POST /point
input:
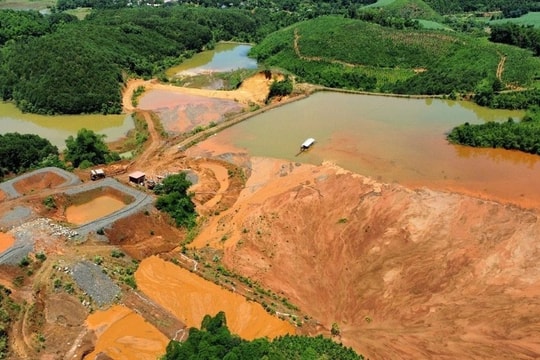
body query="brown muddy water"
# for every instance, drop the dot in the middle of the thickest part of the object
(124, 334)
(57, 128)
(93, 209)
(392, 140)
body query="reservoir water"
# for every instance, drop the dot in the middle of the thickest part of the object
(57, 128)
(393, 140)
(225, 57)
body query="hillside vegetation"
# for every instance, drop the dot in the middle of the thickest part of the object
(215, 341)
(60, 65)
(413, 9)
(354, 54)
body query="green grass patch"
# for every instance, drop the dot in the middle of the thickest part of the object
(532, 18)
(27, 4)
(433, 25)
(80, 13)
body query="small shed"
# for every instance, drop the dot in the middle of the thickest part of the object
(137, 177)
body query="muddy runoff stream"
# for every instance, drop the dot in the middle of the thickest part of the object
(190, 297)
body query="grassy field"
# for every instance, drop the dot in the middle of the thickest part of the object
(532, 18)
(26, 4)
(80, 13)
(433, 25)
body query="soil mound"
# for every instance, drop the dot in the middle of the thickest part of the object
(404, 273)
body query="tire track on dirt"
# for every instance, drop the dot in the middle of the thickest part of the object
(500, 67)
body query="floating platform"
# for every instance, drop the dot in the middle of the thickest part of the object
(307, 144)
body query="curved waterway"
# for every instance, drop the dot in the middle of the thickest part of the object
(392, 140)
(58, 127)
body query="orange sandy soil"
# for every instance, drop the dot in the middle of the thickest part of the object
(124, 334)
(252, 91)
(2, 195)
(38, 182)
(405, 274)
(6, 241)
(190, 298)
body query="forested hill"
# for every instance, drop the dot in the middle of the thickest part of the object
(354, 54)
(58, 64)
(510, 8)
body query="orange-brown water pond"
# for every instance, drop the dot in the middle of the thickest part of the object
(124, 334)
(6, 241)
(94, 209)
(392, 140)
(189, 297)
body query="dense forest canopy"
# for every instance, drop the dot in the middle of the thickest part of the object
(511, 8)
(214, 341)
(521, 135)
(20, 152)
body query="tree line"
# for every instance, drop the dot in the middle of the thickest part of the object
(526, 37)
(510, 8)
(347, 53)
(22, 152)
(214, 341)
(521, 135)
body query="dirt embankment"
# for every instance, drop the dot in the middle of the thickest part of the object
(405, 274)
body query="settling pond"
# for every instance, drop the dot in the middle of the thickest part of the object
(57, 128)
(393, 140)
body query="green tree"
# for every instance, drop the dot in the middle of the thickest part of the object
(281, 88)
(88, 147)
(175, 200)
(20, 152)
(215, 341)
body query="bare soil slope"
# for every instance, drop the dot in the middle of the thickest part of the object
(405, 274)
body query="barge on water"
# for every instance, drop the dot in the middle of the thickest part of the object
(307, 144)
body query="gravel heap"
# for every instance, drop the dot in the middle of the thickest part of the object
(95, 283)
(26, 234)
